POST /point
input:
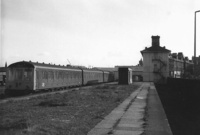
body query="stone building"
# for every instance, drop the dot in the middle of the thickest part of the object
(179, 65)
(155, 62)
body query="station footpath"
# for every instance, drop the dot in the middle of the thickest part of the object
(141, 113)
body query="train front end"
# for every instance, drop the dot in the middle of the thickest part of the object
(20, 77)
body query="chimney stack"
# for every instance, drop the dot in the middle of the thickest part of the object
(155, 41)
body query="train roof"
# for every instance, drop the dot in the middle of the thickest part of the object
(91, 69)
(31, 64)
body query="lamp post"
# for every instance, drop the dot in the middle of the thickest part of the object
(195, 39)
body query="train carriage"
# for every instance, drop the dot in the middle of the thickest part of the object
(57, 77)
(2, 76)
(105, 76)
(29, 76)
(108, 76)
(20, 76)
(92, 76)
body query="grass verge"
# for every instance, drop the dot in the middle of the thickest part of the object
(74, 113)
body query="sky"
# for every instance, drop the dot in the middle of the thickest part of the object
(95, 33)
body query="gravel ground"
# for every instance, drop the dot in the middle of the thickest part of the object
(72, 113)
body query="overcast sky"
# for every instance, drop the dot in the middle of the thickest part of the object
(101, 33)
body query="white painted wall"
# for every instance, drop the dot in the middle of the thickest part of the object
(148, 66)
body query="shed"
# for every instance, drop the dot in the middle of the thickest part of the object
(125, 75)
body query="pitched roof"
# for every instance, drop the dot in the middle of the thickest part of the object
(155, 46)
(155, 49)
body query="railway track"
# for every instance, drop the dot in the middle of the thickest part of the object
(43, 93)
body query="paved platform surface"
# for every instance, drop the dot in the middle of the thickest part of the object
(140, 114)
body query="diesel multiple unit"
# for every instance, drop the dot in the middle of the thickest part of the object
(33, 76)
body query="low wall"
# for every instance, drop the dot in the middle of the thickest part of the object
(181, 101)
(187, 87)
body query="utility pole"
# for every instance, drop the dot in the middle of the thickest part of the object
(195, 40)
(1, 46)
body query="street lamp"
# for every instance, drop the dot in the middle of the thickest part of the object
(195, 38)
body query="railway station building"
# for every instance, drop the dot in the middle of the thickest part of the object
(159, 63)
(155, 61)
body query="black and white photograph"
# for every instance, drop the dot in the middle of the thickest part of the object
(100, 67)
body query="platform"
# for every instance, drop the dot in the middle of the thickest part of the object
(141, 113)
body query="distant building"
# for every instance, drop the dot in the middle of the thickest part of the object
(155, 61)
(178, 65)
(159, 63)
(197, 60)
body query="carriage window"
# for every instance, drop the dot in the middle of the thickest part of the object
(48, 75)
(38, 75)
(44, 75)
(61, 74)
(11, 75)
(51, 74)
(18, 74)
(27, 74)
